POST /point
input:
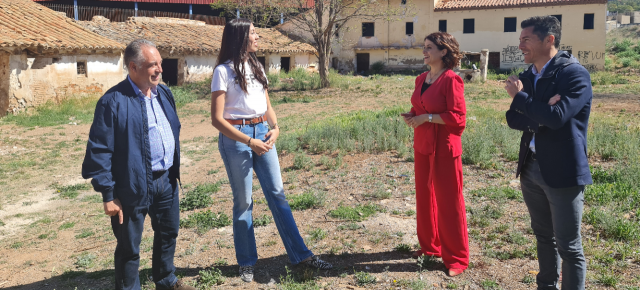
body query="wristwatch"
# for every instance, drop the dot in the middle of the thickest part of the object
(430, 118)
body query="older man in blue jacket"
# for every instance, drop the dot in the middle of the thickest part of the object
(133, 156)
(551, 105)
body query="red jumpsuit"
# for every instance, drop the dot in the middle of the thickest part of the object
(440, 208)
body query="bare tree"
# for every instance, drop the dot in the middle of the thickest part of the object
(317, 21)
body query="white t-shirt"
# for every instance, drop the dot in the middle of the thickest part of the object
(238, 104)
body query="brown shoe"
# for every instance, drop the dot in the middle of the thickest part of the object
(182, 286)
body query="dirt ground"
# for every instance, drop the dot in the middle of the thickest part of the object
(39, 252)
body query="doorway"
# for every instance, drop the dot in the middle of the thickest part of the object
(262, 60)
(285, 64)
(362, 63)
(170, 71)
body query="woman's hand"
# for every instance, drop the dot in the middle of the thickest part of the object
(406, 117)
(259, 147)
(272, 136)
(416, 121)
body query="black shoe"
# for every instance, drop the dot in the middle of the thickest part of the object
(315, 262)
(246, 273)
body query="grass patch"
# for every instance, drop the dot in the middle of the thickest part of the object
(358, 213)
(190, 92)
(362, 131)
(305, 281)
(497, 193)
(205, 220)
(72, 191)
(85, 233)
(94, 198)
(67, 225)
(199, 197)
(611, 225)
(81, 109)
(306, 200)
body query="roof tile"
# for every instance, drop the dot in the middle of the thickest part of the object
(25, 24)
(449, 5)
(181, 36)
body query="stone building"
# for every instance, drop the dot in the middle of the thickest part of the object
(190, 48)
(477, 25)
(45, 56)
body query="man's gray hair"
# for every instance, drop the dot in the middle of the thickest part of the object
(133, 52)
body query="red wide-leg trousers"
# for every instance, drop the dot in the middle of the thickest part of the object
(440, 208)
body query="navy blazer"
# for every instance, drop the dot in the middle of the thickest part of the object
(118, 156)
(561, 129)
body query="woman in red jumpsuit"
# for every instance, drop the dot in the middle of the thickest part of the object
(438, 116)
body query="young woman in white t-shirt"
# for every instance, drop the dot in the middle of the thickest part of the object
(241, 111)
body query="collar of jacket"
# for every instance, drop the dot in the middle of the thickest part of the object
(559, 61)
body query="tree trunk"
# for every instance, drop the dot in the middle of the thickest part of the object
(323, 60)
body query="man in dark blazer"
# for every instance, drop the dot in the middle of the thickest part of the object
(551, 105)
(133, 156)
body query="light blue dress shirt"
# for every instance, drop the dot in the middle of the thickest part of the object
(161, 138)
(535, 72)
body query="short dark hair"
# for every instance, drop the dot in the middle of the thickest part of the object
(444, 40)
(544, 26)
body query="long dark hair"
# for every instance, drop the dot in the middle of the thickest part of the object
(235, 39)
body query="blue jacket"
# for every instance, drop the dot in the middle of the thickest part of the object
(118, 156)
(561, 129)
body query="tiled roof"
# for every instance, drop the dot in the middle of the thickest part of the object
(186, 37)
(449, 5)
(28, 25)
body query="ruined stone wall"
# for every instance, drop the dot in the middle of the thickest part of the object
(4, 83)
(34, 81)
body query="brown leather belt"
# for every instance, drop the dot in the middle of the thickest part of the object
(247, 121)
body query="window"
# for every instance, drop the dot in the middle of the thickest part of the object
(559, 17)
(588, 21)
(368, 29)
(469, 26)
(403, 2)
(81, 68)
(442, 25)
(409, 28)
(510, 24)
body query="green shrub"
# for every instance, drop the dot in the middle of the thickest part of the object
(306, 200)
(190, 92)
(262, 221)
(199, 197)
(612, 226)
(86, 260)
(623, 45)
(209, 278)
(205, 220)
(403, 248)
(317, 234)
(364, 278)
(377, 67)
(626, 61)
(607, 78)
(302, 161)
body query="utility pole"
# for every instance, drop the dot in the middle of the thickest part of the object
(75, 9)
(136, 8)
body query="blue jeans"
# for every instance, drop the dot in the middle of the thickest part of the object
(164, 211)
(240, 162)
(556, 216)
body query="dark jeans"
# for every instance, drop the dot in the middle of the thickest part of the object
(164, 211)
(556, 215)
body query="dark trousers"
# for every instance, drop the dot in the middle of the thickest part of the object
(556, 215)
(164, 211)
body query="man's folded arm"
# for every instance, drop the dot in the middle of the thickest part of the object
(574, 90)
(518, 121)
